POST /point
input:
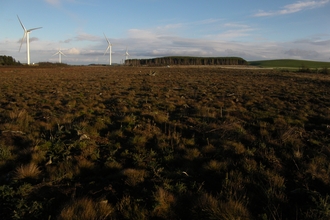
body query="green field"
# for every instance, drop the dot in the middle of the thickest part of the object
(288, 63)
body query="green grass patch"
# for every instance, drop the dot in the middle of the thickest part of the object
(289, 63)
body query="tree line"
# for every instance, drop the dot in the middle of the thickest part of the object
(187, 61)
(8, 61)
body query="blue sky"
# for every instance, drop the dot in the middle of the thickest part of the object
(253, 30)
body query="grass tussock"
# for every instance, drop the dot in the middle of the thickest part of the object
(165, 202)
(134, 176)
(210, 207)
(28, 171)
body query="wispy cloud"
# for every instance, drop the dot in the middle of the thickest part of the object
(74, 51)
(293, 8)
(142, 34)
(83, 37)
(54, 2)
(228, 39)
(58, 3)
(87, 37)
(234, 33)
(206, 21)
(209, 29)
(313, 42)
(236, 25)
(304, 54)
(31, 39)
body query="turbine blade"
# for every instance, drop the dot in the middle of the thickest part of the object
(22, 41)
(21, 23)
(106, 50)
(33, 29)
(106, 39)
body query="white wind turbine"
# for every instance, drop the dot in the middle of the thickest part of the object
(126, 54)
(60, 53)
(26, 35)
(108, 48)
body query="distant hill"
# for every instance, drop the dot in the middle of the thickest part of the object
(289, 63)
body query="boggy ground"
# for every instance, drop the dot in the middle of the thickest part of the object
(163, 143)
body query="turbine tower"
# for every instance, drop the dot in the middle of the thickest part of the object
(60, 53)
(126, 54)
(26, 35)
(108, 48)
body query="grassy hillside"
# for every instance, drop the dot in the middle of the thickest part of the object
(288, 63)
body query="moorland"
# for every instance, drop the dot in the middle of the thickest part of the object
(104, 142)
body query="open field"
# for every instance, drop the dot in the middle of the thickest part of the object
(288, 63)
(163, 143)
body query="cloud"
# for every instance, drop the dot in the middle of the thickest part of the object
(141, 34)
(234, 33)
(293, 8)
(190, 29)
(209, 21)
(171, 26)
(67, 41)
(83, 37)
(236, 25)
(302, 54)
(313, 42)
(231, 31)
(54, 2)
(86, 48)
(73, 51)
(86, 37)
(58, 3)
(31, 39)
(93, 53)
(237, 53)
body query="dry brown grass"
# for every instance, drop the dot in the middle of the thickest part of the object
(87, 209)
(134, 176)
(246, 138)
(192, 153)
(164, 204)
(213, 208)
(215, 166)
(28, 171)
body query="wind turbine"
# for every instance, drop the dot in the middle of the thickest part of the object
(60, 53)
(126, 54)
(26, 35)
(109, 47)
